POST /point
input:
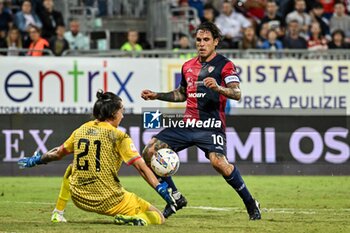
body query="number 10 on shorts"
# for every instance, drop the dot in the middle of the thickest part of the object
(217, 139)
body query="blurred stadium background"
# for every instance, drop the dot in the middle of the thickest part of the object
(293, 118)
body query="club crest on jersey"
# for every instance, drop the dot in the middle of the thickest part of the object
(211, 68)
(189, 79)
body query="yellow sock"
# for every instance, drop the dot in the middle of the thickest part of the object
(64, 195)
(151, 217)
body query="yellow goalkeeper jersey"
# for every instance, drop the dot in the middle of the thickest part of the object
(99, 150)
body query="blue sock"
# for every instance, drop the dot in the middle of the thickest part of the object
(170, 182)
(236, 181)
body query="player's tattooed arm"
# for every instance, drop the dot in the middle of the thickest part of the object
(52, 155)
(177, 95)
(232, 91)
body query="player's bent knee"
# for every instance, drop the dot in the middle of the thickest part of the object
(146, 154)
(162, 219)
(148, 151)
(151, 148)
(157, 215)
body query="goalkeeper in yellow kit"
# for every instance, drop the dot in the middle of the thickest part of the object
(99, 149)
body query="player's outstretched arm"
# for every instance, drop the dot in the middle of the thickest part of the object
(38, 158)
(231, 91)
(146, 172)
(162, 188)
(177, 95)
(54, 154)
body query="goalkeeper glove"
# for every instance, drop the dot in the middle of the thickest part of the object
(166, 193)
(30, 161)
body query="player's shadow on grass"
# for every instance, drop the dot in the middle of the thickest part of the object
(97, 222)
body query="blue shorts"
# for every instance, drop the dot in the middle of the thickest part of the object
(182, 138)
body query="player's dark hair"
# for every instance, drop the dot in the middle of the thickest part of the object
(211, 27)
(106, 105)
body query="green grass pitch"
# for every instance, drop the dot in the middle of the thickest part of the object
(289, 204)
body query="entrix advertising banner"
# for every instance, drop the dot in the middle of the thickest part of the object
(68, 85)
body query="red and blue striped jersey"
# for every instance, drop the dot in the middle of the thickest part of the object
(202, 102)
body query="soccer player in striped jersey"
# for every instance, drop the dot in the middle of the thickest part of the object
(207, 81)
(99, 150)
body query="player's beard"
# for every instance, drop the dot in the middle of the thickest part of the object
(205, 55)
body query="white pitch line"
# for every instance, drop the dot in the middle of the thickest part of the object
(211, 208)
(240, 210)
(271, 210)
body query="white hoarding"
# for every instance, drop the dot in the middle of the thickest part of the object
(283, 86)
(68, 85)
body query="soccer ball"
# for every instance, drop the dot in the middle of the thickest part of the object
(165, 162)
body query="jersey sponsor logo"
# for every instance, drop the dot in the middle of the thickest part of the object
(211, 68)
(92, 132)
(197, 95)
